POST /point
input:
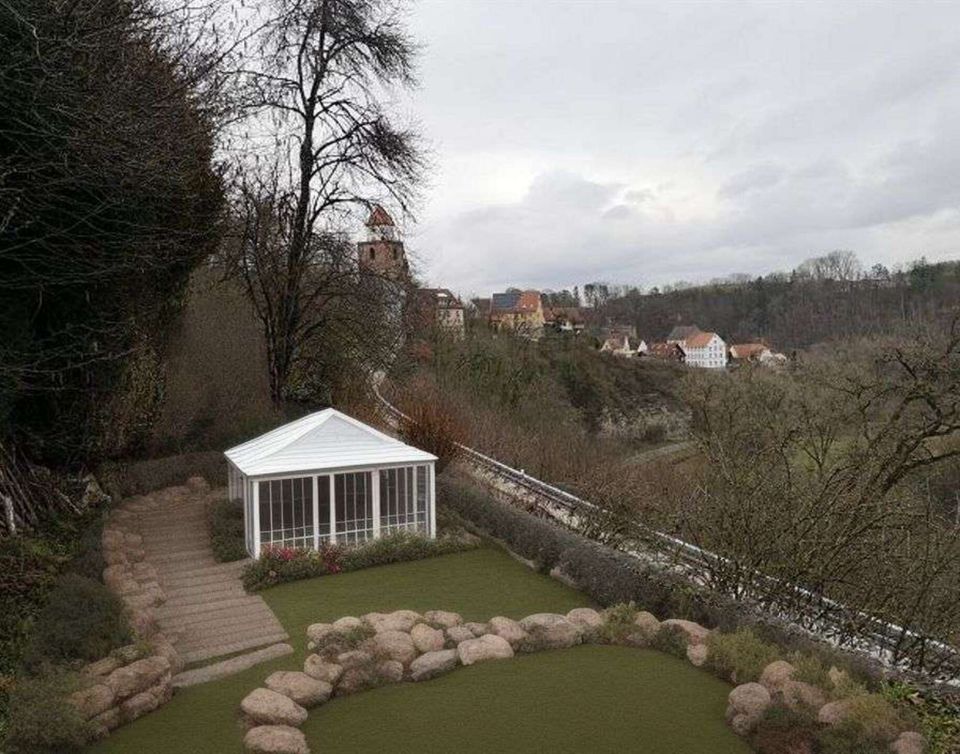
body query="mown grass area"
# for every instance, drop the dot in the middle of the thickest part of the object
(478, 584)
(588, 698)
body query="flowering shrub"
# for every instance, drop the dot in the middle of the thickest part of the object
(278, 565)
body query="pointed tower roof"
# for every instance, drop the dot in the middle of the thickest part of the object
(379, 216)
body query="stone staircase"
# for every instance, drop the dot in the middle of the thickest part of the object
(206, 614)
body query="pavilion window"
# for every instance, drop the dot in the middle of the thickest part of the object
(397, 505)
(286, 512)
(354, 507)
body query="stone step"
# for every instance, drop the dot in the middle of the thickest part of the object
(182, 556)
(181, 613)
(230, 667)
(196, 637)
(183, 565)
(176, 582)
(199, 655)
(207, 590)
(186, 576)
(177, 599)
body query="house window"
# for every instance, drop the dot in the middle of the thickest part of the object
(394, 255)
(373, 253)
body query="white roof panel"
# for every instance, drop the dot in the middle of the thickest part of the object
(324, 440)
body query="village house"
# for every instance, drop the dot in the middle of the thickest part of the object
(520, 312)
(681, 332)
(756, 353)
(706, 350)
(666, 352)
(565, 319)
(620, 345)
(439, 308)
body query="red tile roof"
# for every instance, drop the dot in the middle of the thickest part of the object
(698, 340)
(379, 216)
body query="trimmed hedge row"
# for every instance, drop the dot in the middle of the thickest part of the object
(609, 576)
(278, 565)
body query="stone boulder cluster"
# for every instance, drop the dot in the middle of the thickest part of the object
(121, 687)
(748, 702)
(357, 653)
(136, 679)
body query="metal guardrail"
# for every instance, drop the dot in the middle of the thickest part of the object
(832, 619)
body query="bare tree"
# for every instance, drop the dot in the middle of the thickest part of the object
(316, 83)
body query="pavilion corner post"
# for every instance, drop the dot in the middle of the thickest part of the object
(316, 513)
(333, 508)
(433, 499)
(255, 491)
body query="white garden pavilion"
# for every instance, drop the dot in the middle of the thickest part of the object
(330, 478)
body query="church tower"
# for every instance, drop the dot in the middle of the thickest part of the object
(382, 252)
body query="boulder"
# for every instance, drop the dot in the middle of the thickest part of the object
(908, 742)
(508, 629)
(395, 645)
(356, 679)
(93, 700)
(320, 633)
(799, 695)
(137, 676)
(426, 639)
(487, 647)
(107, 720)
(138, 705)
(549, 631)
(776, 674)
(143, 622)
(694, 632)
(347, 623)
(328, 672)
(477, 629)
(697, 654)
(834, 713)
(647, 628)
(457, 634)
(390, 671)
(301, 688)
(355, 658)
(163, 647)
(275, 739)
(745, 706)
(432, 664)
(266, 707)
(585, 617)
(399, 620)
(101, 667)
(442, 618)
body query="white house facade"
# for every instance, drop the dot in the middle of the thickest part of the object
(706, 350)
(328, 477)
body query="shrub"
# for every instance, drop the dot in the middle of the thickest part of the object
(433, 423)
(810, 670)
(82, 620)
(278, 565)
(672, 640)
(227, 530)
(782, 730)
(41, 721)
(740, 657)
(617, 623)
(125, 478)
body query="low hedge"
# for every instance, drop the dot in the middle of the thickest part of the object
(609, 576)
(82, 620)
(125, 478)
(279, 565)
(226, 524)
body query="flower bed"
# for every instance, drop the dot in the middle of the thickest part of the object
(278, 565)
(794, 705)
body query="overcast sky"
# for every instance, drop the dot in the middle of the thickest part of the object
(645, 143)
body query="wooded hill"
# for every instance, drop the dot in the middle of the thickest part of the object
(798, 309)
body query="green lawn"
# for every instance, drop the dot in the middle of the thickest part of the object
(607, 692)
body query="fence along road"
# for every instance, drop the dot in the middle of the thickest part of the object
(894, 646)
